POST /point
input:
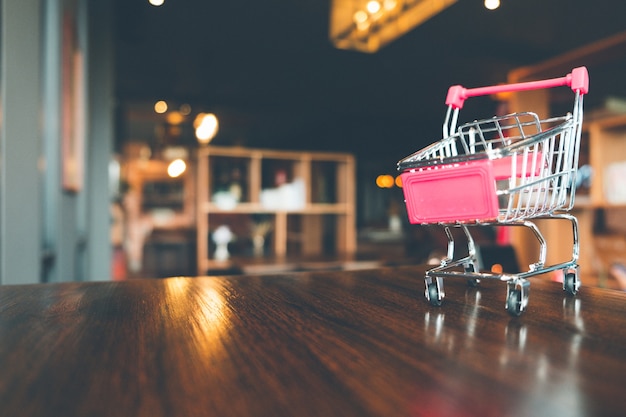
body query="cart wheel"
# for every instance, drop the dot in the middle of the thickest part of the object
(433, 294)
(570, 283)
(470, 269)
(514, 303)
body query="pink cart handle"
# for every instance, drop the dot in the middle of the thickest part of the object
(577, 80)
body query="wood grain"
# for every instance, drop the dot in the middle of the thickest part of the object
(362, 343)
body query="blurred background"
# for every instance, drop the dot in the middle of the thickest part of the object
(122, 88)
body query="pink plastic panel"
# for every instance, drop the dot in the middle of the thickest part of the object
(502, 166)
(449, 193)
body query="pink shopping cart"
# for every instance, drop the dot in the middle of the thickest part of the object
(504, 170)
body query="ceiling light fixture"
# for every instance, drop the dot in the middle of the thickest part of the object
(368, 25)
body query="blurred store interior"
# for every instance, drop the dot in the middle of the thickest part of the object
(193, 137)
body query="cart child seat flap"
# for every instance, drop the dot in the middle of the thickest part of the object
(463, 192)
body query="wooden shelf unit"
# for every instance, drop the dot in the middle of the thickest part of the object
(607, 143)
(603, 143)
(327, 183)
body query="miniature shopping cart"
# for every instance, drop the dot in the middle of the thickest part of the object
(504, 171)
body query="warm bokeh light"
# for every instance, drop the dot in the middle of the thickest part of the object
(160, 107)
(492, 4)
(156, 2)
(503, 96)
(176, 168)
(175, 118)
(206, 126)
(496, 268)
(360, 17)
(384, 181)
(373, 7)
(390, 4)
(399, 181)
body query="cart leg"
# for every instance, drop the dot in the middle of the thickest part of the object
(543, 247)
(571, 271)
(571, 275)
(471, 266)
(576, 245)
(450, 252)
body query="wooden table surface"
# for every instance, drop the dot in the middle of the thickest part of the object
(360, 343)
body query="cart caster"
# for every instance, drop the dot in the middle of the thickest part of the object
(433, 295)
(571, 283)
(434, 291)
(517, 297)
(514, 303)
(470, 269)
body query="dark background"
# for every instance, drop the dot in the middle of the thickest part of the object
(270, 72)
(272, 76)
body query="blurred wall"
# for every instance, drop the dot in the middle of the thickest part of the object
(56, 92)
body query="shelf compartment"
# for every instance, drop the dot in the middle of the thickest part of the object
(323, 221)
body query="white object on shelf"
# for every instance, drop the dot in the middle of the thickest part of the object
(225, 200)
(222, 236)
(615, 183)
(289, 196)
